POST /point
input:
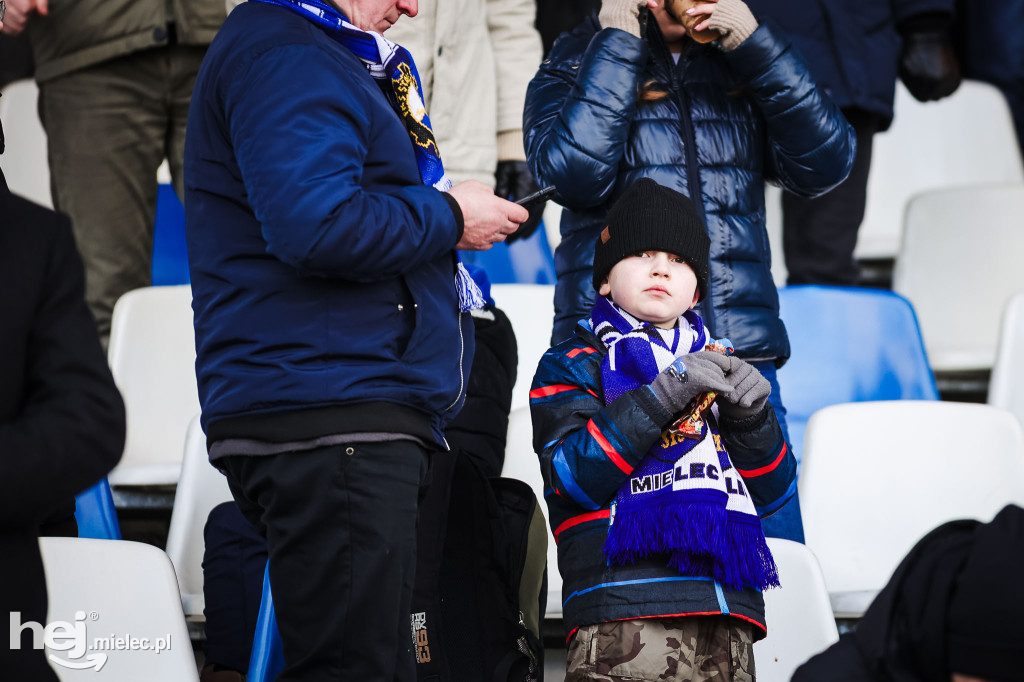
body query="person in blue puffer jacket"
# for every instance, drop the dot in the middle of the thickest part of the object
(616, 101)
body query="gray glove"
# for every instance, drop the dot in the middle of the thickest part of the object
(621, 14)
(687, 377)
(747, 393)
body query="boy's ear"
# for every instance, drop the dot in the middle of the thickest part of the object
(605, 288)
(696, 297)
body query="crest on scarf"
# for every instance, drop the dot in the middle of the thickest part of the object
(412, 109)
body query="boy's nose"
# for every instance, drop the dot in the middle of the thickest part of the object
(660, 265)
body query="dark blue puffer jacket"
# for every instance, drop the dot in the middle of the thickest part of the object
(730, 121)
(851, 48)
(323, 270)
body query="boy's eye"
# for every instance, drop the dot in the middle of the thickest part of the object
(642, 254)
(677, 259)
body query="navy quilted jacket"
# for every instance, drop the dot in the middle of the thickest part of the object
(730, 121)
(323, 270)
(587, 451)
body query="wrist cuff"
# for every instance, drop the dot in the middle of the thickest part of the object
(510, 146)
(732, 18)
(625, 18)
(460, 222)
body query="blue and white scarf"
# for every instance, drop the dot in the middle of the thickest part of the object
(393, 69)
(685, 500)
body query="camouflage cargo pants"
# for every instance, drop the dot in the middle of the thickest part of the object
(691, 649)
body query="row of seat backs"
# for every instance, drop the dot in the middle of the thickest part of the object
(918, 155)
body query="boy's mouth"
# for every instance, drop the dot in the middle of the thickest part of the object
(657, 290)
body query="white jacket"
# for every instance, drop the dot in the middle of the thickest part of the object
(475, 59)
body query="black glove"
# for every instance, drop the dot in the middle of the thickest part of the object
(928, 64)
(687, 377)
(748, 390)
(513, 181)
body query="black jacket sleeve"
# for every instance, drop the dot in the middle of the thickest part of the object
(63, 427)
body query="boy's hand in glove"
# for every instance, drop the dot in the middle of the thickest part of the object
(689, 376)
(928, 64)
(747, 393)
(623, 14)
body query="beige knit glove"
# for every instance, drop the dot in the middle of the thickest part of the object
(733, 19)
(621, 14)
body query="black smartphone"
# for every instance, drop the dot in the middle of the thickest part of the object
(540, 196)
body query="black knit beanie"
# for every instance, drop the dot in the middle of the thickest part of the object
(650, 217)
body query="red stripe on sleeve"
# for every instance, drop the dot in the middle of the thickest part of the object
(612, 454)
(582, 518)
(545, 391)
(765, 469)
(576, 351)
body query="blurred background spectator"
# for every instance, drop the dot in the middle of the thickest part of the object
(990, 42)
(115, 80)
(62, 422)
(855, 51)
(475, 59)
(951, 612)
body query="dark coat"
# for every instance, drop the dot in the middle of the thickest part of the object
(583, 446)
(62, 422)
(852, 48)
(730, 121)
(323, 270)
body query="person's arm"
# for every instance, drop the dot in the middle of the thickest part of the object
(300, 130)
(71, 430)
(810, 146)
(587, 448)
(762, 457)
(517, 52)
(753, 438)
(578, 115)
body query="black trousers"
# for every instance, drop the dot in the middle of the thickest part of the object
(819, 235)
(340, 524)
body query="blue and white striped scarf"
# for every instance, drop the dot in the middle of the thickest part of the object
(393, 69)
(685, 500)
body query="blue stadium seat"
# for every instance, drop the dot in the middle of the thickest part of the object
(267, 657)
(849, 345)
(95, 513)
(526, 261)
(170, 258)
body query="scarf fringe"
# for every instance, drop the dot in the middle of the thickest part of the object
(701, 539)
(470, 295)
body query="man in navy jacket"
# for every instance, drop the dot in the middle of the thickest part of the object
(331, 350)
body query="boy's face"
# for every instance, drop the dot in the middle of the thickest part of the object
(652, 286)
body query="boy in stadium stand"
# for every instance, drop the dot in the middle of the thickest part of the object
(655, 496)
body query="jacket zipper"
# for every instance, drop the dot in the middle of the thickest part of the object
(462, 352)
(690, 139)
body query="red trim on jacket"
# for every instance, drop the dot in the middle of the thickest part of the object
(611, 452)
(576, 351)
(765, 469)
(545, 391)
(582, 518)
